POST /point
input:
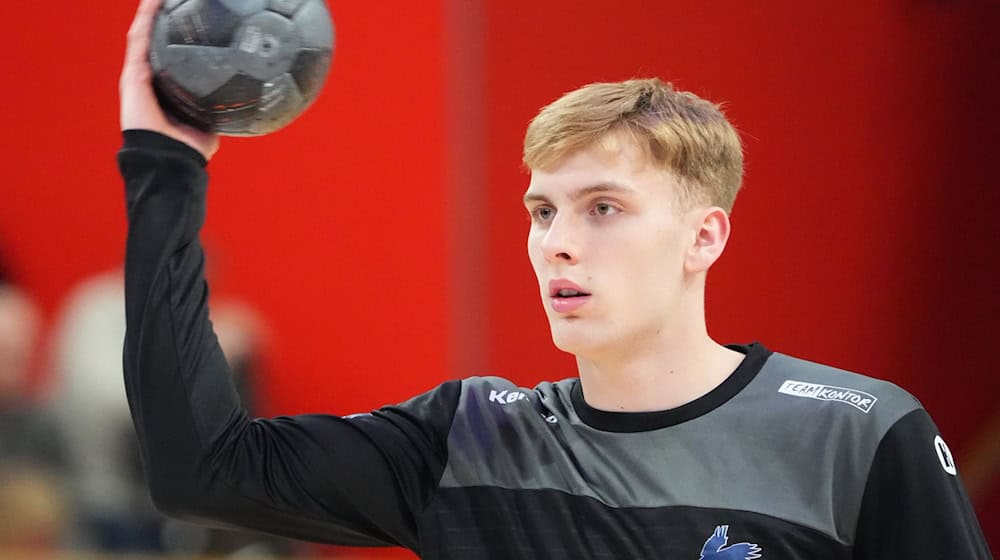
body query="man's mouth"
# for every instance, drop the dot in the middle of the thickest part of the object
(568, 293)
(564, 288)
(566, 296)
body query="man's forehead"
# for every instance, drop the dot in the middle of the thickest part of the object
(614, 149)
(576, 192)
(599, 167)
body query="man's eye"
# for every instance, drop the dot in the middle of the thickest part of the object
(604, 209)
(542, 213)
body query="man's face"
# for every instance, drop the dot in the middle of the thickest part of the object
(608, 244)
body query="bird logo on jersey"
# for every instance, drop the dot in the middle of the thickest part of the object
(715, 547)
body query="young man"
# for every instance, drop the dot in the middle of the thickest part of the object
(668, 445)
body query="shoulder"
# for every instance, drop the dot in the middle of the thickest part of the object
(494, 391)
(481, 397)
(461, 395)
(499, 425)
(825, 391)
(496, 401)
(493, 382)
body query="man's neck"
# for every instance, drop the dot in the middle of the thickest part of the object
(659, 377)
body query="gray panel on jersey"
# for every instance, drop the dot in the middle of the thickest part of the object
(791, 456)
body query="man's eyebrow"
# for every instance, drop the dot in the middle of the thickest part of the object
(584, 192)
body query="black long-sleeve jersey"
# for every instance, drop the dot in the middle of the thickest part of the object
(786, 459)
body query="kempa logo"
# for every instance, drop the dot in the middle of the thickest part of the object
(506, 397)
(858, 399)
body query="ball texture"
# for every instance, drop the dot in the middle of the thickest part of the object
(240, 67)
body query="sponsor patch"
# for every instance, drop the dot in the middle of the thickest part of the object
(858, 399)
(944, 455)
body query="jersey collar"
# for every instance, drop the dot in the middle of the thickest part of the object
(755, 357)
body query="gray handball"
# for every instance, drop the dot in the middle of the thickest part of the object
(240, 67)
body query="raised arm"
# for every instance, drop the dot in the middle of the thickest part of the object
(361, 480)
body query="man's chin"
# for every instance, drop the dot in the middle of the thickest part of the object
(573, 338)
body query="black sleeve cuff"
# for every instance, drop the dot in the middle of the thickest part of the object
(151, 140)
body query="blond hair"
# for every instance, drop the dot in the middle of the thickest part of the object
(677, 131)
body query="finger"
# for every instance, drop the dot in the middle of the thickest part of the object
(146, 11)
(140, 31)
(136, 66)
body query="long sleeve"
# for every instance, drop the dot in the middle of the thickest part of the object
(914, 505)
(360, 480)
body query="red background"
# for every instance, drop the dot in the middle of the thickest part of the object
(381, 236)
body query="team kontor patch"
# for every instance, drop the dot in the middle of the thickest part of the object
(858, 399)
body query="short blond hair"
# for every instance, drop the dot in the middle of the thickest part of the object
(678, 131)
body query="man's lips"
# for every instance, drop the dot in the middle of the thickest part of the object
(561, 287)
(567, 304)
(566, 296)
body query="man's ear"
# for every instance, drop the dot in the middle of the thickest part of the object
(711, 233)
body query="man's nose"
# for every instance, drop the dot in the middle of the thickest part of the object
(560, 244)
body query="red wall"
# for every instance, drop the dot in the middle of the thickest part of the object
(333, 227)
(863, 238)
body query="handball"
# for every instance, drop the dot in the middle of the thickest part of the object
(240, 67)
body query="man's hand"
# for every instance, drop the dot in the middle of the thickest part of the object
(139, 108)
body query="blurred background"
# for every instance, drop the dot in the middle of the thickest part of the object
(376, 247)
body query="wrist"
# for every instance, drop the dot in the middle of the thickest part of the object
(154, 140)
